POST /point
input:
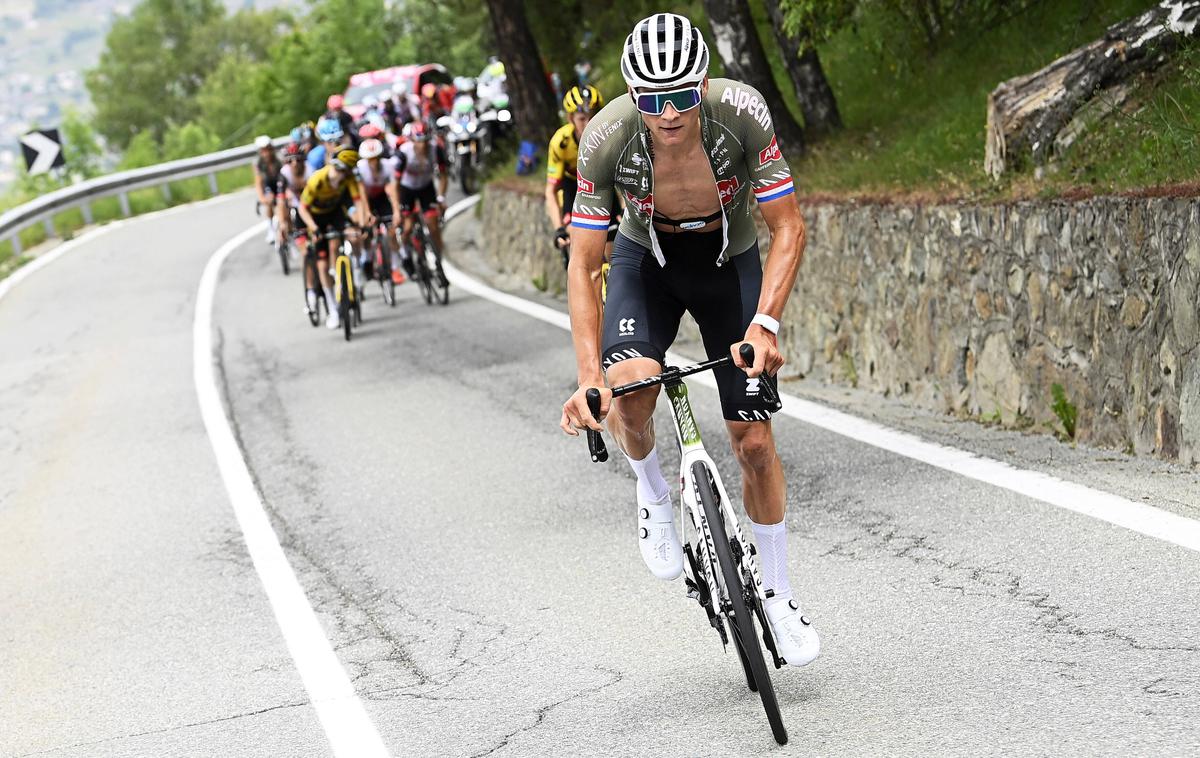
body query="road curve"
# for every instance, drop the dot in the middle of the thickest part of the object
(479, 578)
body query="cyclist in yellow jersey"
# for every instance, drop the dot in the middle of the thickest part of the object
(562, 180)
(322, 207)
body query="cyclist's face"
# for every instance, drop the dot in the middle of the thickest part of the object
(672, 127)
(580, 120)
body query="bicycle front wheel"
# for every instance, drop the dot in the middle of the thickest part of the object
(739, 618)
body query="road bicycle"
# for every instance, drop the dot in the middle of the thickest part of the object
(375, 241)
(427, 264)
(349, 307)
(720, 572)
(300, 240)
(284, 259)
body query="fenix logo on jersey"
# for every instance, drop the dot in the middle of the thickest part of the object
(745, 101)
(770, 153)
(585, 185)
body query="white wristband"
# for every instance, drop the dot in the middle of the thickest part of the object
(766, 322)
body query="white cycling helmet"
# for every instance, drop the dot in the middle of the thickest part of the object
(664, 50)
(262, 141)
(371, 148)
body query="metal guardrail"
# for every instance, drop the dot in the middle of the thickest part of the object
(83, 194)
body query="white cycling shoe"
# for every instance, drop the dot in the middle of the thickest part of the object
(795, 637)
(658, 540)
(333, 322)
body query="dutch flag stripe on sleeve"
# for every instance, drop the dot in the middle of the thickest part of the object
(774, 191)
(589, 221)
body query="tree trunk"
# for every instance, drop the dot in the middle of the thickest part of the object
(1026, 115)
(742, 52)
(535, 114)
(817, 103)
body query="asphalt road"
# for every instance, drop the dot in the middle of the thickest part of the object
(477, 576)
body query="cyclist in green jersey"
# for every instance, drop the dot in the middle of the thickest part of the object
(687, 152)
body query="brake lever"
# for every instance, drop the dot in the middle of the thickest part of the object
(765, 386)
(595, 439)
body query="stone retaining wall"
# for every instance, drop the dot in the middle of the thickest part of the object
(979, 310)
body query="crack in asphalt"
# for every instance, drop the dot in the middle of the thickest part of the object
(883, 535)
(165, 730)
(301, 468)
(543, 712)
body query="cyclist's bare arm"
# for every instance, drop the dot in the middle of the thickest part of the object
(553, 210)
(307, 218)
(583, 300)
(258, 186)
(788, 238)
(392, 189)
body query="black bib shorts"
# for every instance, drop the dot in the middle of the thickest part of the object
(646, 301)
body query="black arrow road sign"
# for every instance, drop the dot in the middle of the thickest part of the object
(43, 150)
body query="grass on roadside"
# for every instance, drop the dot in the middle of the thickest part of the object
(915, 124)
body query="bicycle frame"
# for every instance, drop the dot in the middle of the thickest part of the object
(692, 451)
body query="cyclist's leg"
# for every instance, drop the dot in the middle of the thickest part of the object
(429, 206)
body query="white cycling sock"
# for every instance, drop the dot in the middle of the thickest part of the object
(330, 300)
(651, 484)
(771, 540)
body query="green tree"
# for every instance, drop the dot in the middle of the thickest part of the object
(153, 64)
(81, 147)
(188, 140)
(141, 151)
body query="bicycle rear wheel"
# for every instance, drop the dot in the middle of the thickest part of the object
(741, 621)
(440, 284)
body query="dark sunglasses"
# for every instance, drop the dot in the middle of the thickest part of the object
(654, 103)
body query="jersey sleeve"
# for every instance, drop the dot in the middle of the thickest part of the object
(316, 158)
(594, 172)
(770, 175)
(555, 167)
(309, 195)
(400, 163)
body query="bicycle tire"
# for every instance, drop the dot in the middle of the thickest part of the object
(383, 272)
(741, 626)
(421, 262)
(344, 299)
(440, 284)
(314, 316)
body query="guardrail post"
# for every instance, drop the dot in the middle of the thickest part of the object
(16, 243)
(212, 183)
(124, 198)
(166, 192)
(48, 225)
(87, 213)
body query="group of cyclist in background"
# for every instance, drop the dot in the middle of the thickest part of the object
(391, 161)
(350, 174)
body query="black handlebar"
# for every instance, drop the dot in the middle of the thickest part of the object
(595, 439)
(746, 351)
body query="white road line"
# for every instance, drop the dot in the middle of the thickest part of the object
(347, 725)
(1105, 506)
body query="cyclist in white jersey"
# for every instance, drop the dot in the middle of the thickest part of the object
(292, 177)
(417, 160)
(377, 176)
